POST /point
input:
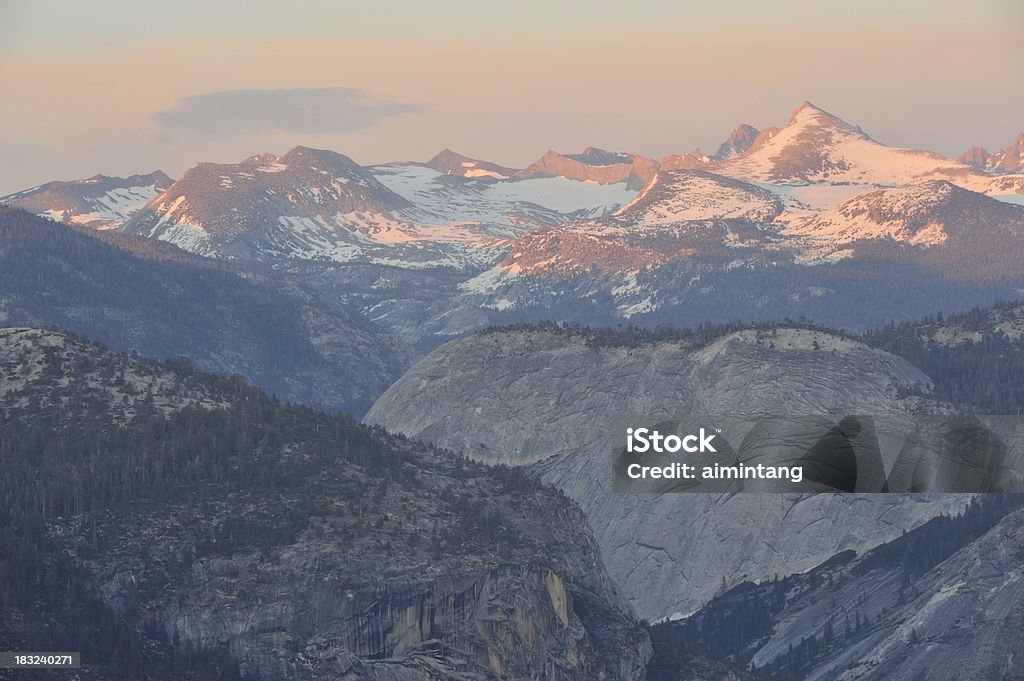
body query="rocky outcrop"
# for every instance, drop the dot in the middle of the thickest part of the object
(738, 141)
(695, 159)
(559, 405)
(1008, 160)
(312, 610)
(975, 156)
(594, 165)
(35, 362)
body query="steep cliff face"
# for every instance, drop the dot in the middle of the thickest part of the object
(189, 514)
(558, 403)
(330, 605)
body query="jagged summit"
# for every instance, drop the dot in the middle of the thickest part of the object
(738, 141)
(1008, 160)
(809, 114)
(975, 156)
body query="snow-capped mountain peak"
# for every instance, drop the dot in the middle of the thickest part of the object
(807, 115)
(313, 204)
(925, 214)
(99, 202)
(817, 147)
(685, 195)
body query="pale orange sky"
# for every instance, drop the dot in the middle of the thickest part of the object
(87, 89)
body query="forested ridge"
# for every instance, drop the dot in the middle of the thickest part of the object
(164, 306)
(976, 358)
(982, 371)
(79, 471)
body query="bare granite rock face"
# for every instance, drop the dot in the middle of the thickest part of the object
(594, 165)
(559, 405)
(965, 622)
(309, 610)
(330, 604)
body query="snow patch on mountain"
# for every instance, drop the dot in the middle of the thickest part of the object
(439, 198)
(98, 202)
(685, 195)
(817, 147)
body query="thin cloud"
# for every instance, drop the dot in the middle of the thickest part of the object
(299, 110)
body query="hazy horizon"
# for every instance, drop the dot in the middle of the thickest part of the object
(119, 89)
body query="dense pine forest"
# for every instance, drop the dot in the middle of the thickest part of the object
(983, 369)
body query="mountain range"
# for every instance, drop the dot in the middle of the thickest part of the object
(1008, 160)
(816, 210)
(99, 202)
(493, 326)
